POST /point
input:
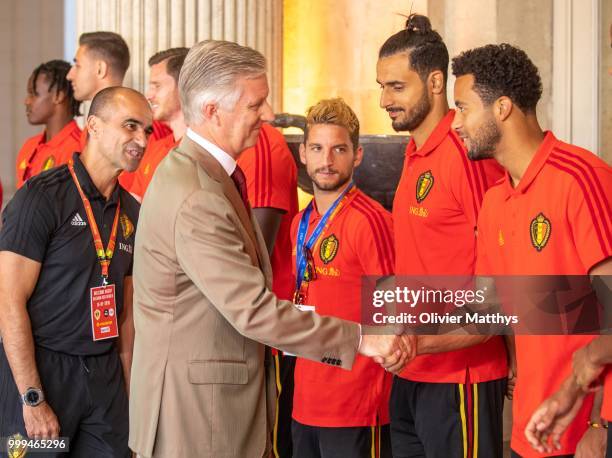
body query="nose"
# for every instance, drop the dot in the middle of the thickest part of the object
(457, 122)
(384, 98)
(267, 114)
(328, 157)
(149, 94)
(141, 137)
(70, 73)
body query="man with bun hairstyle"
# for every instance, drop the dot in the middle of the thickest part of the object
(455, 388)
(523, 229)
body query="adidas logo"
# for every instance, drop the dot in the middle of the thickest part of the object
(78, 221)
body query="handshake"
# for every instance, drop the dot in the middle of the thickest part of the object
(391, 351)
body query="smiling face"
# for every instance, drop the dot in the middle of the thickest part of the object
(162, 93)
(329, 156)
(39, 102)
(239, 127)
(404, 93)
(474, 122)
(121, 130)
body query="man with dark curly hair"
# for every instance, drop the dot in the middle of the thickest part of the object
(550, 215)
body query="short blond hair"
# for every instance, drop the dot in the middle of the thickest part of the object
(336, 112)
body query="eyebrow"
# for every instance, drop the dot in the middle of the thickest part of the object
(258, 102)
(390, 83)
(136, 121)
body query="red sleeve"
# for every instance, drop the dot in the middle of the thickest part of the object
(471, 179)
(483, 266)
(24, 156)
(294, 228)
(590, 218)
(270, 170)
(373, 237)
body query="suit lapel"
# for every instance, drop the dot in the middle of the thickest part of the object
(214, 169)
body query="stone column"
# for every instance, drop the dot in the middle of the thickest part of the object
(149, 26)
(31, 32)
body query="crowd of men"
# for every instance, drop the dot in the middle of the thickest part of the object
(157, 279)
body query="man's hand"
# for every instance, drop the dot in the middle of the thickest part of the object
(390, 351)
(585, 370)
(551, 419)
(512, 375)
(41, 422)
(592, 444)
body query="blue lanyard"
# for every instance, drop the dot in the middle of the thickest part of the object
(300, 252)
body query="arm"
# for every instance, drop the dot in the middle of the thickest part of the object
(205, 229)
(126, 331)
(269, 220)
(593, 442)
(18, 277)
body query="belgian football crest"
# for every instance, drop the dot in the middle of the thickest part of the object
(16, 446)
(540, 231)
(49, 163)
(424, 185)
(126, 226)
(329, 249)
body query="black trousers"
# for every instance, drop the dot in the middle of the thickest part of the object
(284, 366)
(88, 396)
(358, 442)
(446, 420)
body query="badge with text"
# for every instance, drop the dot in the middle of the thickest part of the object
(104, 313)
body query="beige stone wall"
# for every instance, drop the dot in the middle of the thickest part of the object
(31, 32)
(605, 83)
(335, 55)
(331, 49)
(149, 26)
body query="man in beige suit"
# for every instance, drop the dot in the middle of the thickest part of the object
(202, 384)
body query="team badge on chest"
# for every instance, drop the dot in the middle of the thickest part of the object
(540, 231)
(329, 249)
(126, 226)
(424, 185)
(49, 163)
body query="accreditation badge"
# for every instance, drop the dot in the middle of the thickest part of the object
(104, 313)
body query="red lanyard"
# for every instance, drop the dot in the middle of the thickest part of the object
(104, 256)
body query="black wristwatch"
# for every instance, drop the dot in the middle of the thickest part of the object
(32, 397)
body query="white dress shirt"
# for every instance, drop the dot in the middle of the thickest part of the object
(227, 162)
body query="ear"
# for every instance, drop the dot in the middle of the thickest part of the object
(94, 126)
(358, 156)
(503, 108)
(302, 153)
(101, 69)
(436, 82)
(210, 111)
(59, 97)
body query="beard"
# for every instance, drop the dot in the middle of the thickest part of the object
(341, 180)
(482, 146)
(415, 116)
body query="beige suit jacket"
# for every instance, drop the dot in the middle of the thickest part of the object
(202, 384)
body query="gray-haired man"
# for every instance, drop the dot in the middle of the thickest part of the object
(202, 380)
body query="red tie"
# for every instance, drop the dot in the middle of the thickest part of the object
(240, 182)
